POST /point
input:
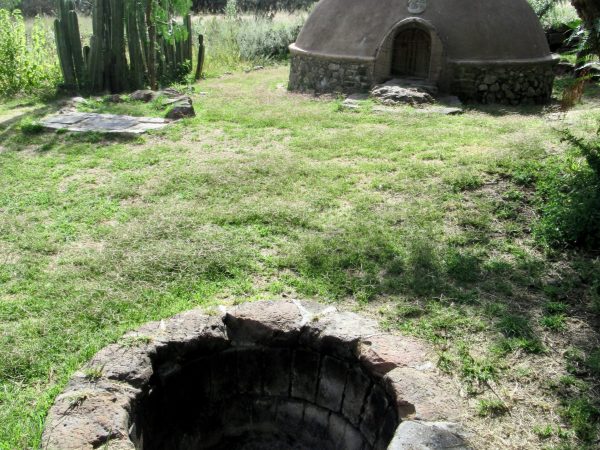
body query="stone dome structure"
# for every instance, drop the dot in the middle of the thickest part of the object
(481, 50)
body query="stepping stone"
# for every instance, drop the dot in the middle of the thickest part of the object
(444, 110)
(102, 123)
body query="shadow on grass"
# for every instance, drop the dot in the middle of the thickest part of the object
(450, 295)
(367, 261)
(8, 125)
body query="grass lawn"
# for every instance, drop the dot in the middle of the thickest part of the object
(423, 221)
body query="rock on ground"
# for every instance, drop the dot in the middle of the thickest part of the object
(391, 93)
(180, 108)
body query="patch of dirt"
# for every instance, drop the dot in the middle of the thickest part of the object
(8, 255)
(86, 178)
(73, 250)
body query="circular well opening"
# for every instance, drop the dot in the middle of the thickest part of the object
(264, 397)
(264, 375)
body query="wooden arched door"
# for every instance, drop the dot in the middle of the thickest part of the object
(412, 53)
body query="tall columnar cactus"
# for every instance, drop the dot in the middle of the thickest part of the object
(95, 64)
(135, 44)
(119, 72)
(132, 42)
(68, 43)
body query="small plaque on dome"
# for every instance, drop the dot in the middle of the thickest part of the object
(417, 6)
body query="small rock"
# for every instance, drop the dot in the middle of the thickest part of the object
(350, 104)
(408, 83)
(358, 97)
(490, 79)
(170, 93)
(391, 94)
(116, 98)
(179, 99)
(78, 100)
(444, 110)
(423, 435)
(145, 95)
(451, 101)
(181, 109)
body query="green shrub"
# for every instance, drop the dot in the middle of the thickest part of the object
(266, 39)
(235, 42)
(464, 181)
(569, 197)
(491, 408)
(29, 126)
(583, 417)
(27, 64)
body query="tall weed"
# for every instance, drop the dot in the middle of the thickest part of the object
(28, 64)
(569, 195)
(236, 42)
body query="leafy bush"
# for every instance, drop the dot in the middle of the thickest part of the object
(265, 39)
(555, 14)
(27, 64)
(235, 41)
(569, 195)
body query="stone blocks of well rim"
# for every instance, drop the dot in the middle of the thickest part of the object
(278, 371)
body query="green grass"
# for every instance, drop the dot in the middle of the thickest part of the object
(491, 408)
(421, 220)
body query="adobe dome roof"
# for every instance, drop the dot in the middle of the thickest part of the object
(470, 30)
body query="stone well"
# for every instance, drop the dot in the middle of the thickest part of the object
(264, 375)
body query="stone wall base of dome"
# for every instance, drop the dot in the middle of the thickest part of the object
(318, 75)
(506, 83)
(509, 83)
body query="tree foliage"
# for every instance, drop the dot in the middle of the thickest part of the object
(589, 11)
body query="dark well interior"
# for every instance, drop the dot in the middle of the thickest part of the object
(263, 398)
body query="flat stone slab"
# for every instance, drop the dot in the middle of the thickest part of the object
(102, 123)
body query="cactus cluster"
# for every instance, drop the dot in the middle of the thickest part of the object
(174, 56)
(127, 51)
(68, 44)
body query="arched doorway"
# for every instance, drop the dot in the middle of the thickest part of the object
(412, 53)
